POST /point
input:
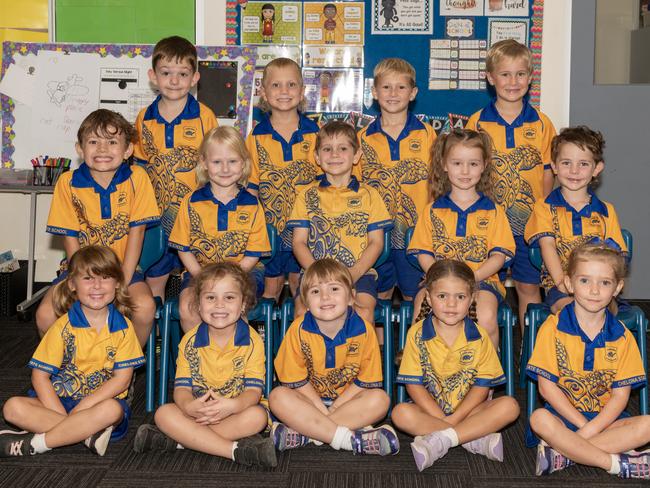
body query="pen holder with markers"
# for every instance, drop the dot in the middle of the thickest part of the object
(47, 170)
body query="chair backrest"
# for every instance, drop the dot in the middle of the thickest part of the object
(153, 247)
(273, 237)
(385, 252)
(535, 253)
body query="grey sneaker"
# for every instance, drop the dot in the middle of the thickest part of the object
(256, 453)
(284, 437)
(98, 442)
(150, 438)
(381, 441)
(427, 449)
(634, 466)
(490, 446)
(549, 460)
(15, 443)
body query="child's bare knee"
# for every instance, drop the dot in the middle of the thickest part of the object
(541, 420)
(278, 395)
(402, 415)
(511, 408)
(12, 409)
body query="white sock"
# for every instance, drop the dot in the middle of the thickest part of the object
(178, 446)
(234, 446)
(616, 465)
(342, 439)
(451, 435)
(38, 444)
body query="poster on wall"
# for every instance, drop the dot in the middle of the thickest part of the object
(333, 57)
(457, 64)
(516, 29)
(402, 17)
(266, 54)
(334, 23)
(333, 90)
(461, 7)
(271, 23)
(506, 8)
(459, 28)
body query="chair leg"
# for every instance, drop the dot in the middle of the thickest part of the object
(164, 354)
(267, 310)
(385, 315)
(151, 371)
(405, 319)
(642, 328)
(507, 359)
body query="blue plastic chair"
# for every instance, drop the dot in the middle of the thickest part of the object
(383, 315)
(632, 317)
(505, 318)
(170, 332)
(153, 248)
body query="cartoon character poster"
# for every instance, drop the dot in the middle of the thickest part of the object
(333, 90)
(402, 17)
(334, 23)
(272, 23)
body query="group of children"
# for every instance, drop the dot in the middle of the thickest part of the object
(476, 198)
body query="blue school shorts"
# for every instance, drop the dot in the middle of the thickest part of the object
(397, 270)
(522, 269)
(165, 265)
(483, 285)
(119, 431)
(553, 295)
(283, 263)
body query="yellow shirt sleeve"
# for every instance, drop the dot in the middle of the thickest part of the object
(543, 361)
(422, 240)
(145, 208)
(258, 241)
(255, 370)
(370, 365)
(501, 239)
(289, 363)
(299, 216)
(613, 229)
(630, 371)
(254, 178)
(138, 148)
(183, 374)
(540, 223)
(62, 219)
(489, 371)
(179, 238)
(410, 370)
(129, 353)
(208, 118)
(547, 139)
(379, 217)
(48, 356)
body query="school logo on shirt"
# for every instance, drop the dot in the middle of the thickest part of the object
(243, 217)
(189, 132)
(121, 199)
(482, 223)
(415, 145)
(111, 351)
(466, 356)
(354, 202)
(305, 146)
(610, 354)
(530, 132)
(595, 220)
(353, 348)
(238, 363)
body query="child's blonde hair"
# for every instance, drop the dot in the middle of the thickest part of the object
(439, 180)
(508, 48)
(325, 270)
(597, 252)
(218, 271)
(450, 267)
(393, 65)
(97, 261)
(231, 138)
(279, 63)
(337, 128)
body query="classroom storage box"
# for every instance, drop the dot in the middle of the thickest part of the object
(13, 289)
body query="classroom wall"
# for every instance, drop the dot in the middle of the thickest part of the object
(622, 113)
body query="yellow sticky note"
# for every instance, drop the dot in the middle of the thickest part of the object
(25, 14)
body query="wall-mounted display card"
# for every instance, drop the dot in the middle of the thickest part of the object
(402, 17)
(334, 23)
(501, 29)
(333, 57)
(333, 90)
(506, 8)
(461, 7)
(272, 23)
(266, 54)
(457, 64)
(459, 28)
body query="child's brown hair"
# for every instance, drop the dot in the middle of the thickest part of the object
(393, 65)
(508, 48)
(174, 48)
(450, 267)
(337, 128)
(96, 261)
(439, 180)
(228, 136)
(583, 137)
(279, 63)
(325, 270)
(217, 271)
(597, 252)
(103, 122)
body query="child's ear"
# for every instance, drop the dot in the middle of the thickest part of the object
(128, 151)
(196, 77)
(600, 166)
(619, 287)
(567, 284)
(152, 76)
(373, 90)
(353, 296)
(79, 150)
(490, 78)
(357, 157)
(554, 167)
(414, 92)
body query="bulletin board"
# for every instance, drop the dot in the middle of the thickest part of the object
(48, 89)
(445, 40)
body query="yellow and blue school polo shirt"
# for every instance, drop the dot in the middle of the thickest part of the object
(169, 152)
(80, 359)
(555, 217)
(448, 372)
(202, 365)
(280, 169)
(398, 170)
(306, 355)
(522, 151)
(103, 216)
(215, 232)
(339, 219)
(444, 231)
(586, 370)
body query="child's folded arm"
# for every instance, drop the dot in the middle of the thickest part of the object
(558, 400)
(119, 382)
(369, 255)
(608, 415)
(42, 383)
(474, 397)
(423, 399)
(551, 260)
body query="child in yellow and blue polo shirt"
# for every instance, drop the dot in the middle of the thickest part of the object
(221, 221)
(82, 368)
(449, 366)
(218, 407)
(329, 367)
(339, 218)
(396, 160)
(282, 149)
(522, 141)
(105, 202)
(572, 214)
(586, 363)
(170, 131)
(463, 223)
